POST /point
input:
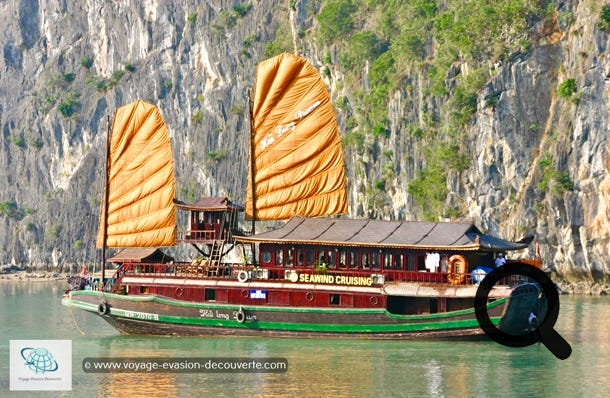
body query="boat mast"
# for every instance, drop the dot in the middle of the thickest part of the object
(105, 204)
(252, 163)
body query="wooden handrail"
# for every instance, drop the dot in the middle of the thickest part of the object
(205, 270)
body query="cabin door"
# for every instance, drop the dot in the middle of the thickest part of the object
(214, 222)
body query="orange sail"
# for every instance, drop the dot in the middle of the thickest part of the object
(297, 165)
(141, 185)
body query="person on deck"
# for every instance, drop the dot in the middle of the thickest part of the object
(500, 260)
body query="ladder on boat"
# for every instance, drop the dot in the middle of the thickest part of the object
(214, 265)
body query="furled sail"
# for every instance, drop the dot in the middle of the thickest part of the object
(141, 184)
(297, 165)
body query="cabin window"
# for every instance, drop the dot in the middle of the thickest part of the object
(300, 258)
(290, 258)
(365, 260)
(335, 299)
(342, 259)
(279, 258)
(398, 259)
(375, 260)
(330, 257)
(353, 260)
(210, 294)
(321, 257)
(309, 259)
(266, 257)
(443, 264)
(387, 261)
(411, 262)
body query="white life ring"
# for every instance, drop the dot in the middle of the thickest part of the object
(242, 276)
(241, 315)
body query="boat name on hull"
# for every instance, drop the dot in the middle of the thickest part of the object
(142, 315)
(215, 314)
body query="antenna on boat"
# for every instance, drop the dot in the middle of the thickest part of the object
(105, 204)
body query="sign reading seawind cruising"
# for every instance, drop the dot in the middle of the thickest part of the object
(330, 279)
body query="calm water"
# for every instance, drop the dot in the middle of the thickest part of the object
(317, 368)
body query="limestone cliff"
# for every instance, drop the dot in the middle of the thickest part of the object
(532, 159)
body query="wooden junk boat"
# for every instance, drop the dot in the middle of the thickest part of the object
(316, 275)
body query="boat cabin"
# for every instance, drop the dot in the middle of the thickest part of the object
(210, 219)
(389, 250)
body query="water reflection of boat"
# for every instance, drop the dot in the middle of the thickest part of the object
(314, 276)
(140, 384)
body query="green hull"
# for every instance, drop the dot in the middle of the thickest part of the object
(158, 315)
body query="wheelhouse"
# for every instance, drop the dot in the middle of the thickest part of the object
(210, 219)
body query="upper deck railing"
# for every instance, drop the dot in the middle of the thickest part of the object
(195, 235)
(203, 270)
(208, 235)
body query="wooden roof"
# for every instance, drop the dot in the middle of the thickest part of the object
(211, 203)
(388, 234)
(140, 255)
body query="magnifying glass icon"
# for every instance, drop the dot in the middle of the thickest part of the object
(542, 328)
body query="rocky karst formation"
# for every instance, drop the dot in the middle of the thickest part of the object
(537, 162)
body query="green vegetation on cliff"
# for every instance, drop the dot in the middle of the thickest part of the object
(433, 52)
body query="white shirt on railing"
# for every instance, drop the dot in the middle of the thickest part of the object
(432, 261)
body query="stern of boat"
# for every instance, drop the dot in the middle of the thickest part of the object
(525, 309)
